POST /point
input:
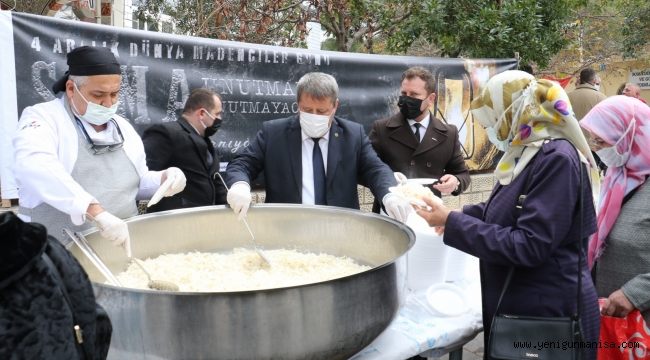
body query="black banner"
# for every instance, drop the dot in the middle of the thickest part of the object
(257, 82)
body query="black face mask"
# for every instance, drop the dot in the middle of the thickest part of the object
(212, 129)
(410, 107)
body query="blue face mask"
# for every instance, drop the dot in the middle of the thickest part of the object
(95, 114)
(314, 125)
(610, 156)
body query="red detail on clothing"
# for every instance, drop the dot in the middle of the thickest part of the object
(562, 81)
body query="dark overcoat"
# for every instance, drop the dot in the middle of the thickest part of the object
(540, 240)
(178, 144)
(438, 153)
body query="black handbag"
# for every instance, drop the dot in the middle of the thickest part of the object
(530, 337)
(542, 338)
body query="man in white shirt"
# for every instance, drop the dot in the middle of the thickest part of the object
(77, 160)
(313, 158)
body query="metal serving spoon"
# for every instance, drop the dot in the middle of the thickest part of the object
(163, 285)
(257, 249)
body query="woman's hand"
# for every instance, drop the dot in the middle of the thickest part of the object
(435, 214)
(617, 305)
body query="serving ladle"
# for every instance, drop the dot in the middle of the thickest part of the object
(257, 249)
(156, 284)
(83, 244)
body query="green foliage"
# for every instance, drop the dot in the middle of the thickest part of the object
(354, 24)
(603, 31)
(273, 22)
(590, 30)
(357, 24)
(489, 28)
(636, 26)
(536, 29)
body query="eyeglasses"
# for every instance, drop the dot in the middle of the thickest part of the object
(102, 148)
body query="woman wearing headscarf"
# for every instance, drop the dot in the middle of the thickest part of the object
(532, 122)
(620, 134)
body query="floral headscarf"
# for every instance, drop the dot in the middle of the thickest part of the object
(522, 113)
(625, 122)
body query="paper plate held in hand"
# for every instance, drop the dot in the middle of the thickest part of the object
(159, 193)
(400, 192)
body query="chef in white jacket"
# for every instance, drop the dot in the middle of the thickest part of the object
(78, 163)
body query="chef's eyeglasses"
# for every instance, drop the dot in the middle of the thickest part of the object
(102, 149)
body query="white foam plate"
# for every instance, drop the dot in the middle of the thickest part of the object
(158, 195)
(417, 202)
(447, 300)
(422, 181)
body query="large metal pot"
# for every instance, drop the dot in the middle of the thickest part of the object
(327, 320)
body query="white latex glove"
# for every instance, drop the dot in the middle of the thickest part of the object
(401, 178)
(239, 198)
(174, 183)
(397, 207)
(175, 179)
(114, 229)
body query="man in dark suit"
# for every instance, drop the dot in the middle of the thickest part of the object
(415, 143)
(313, 158)
(186, 144)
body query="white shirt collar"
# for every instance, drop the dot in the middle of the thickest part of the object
(425, 122)
(193, 127)
(305, 136)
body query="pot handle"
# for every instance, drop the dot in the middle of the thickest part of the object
(90, 253)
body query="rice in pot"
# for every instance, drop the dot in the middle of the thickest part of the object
(240, 270)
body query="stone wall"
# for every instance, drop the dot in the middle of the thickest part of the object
(479, 190)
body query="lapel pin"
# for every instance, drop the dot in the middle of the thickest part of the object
(336, 134)
(434, 139)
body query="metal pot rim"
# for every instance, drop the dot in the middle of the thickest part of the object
(399, 224)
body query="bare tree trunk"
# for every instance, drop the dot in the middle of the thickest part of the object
(341, 42)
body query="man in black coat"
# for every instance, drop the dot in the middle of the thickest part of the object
(186, 144)
(416, 143)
